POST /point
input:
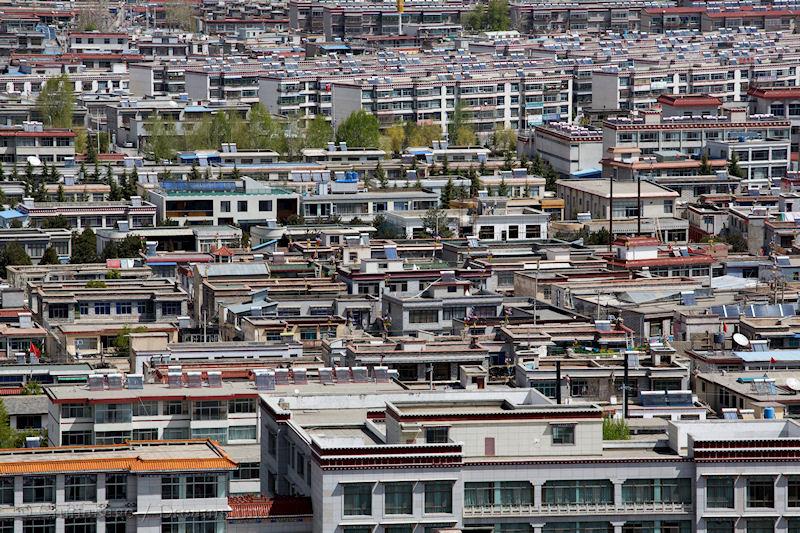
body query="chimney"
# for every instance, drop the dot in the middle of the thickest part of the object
(25, 320)
(342, 146)
(331, 147)
(27, 201)
(136, 201)
(123, 225)
(151, 248)
(69, 180)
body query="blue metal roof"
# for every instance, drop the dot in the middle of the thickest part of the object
(767, 356)
(11, 213)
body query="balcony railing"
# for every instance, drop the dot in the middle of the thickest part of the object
(576, 508)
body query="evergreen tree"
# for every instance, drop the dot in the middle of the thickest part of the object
(82, 171)
(502, 189)
(60, 196)
(14, 173)
(236, 174)
(91, 151)
(2, 173)
(84, 247)
(705, 167)
(380, 175)
(13, 254)
(474, 182)
(448, 194)
(50, 257)
(133, 182)
(445, 166)
(123, 185)
(733, 166)
(96, 173)
(194, 173)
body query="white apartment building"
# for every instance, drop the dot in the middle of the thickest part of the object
(486, 464)
(138, 487)
(92, 41)
(49, 145)
(593, 197)
(221, 202)
(762, 161)
(192, 408)
(568, 148)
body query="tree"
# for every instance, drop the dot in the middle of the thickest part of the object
(13, 254)
(448, 194)
(10, 437)
(194, 173)
(180, 16)
(475, 184)
(161, 138)
(319, 132)
(460, 131)
(32, 388)
(56, 222)
(380, 175)
(422, 134)
(733, 166)
(81, 140)
(705, 167)
(502, 189)
(56, 102)
(493, 16)
(360, 129)
(236, 174)
(113, 274)
(84, 247)
(435, 222)
(396, 135)
(122, 342)
(91, 152)
(504, 140)
(133, 181)
(550, 176)
(2, 173)
(50, 257)
(262, 132)
(130, 246)
(383, 229)
(96, 284)
(599, 237)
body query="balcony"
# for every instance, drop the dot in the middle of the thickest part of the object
(572, 509)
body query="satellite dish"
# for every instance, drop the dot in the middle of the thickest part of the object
(34, 161)
(741, 340)
(793, 384)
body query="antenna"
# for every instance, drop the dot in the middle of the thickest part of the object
(741, 340)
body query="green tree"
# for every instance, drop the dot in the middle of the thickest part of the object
(194, 173)
(32, 388)
(56, 102)
(383, 229)
(705, 167)
(81, 140)
(448, 194)
(380, 175)
(236, 174)
(179, 16)
(113, 274)
(2, 173)
(91, 152)
(261, 132)
(161, 139)
(131, 186)
(504, 140)
(360, 129)
(130, 246)
(493, 16)
(502, 189)
(396, 136)
(615, 429)
(122, 342)
(13, 254)
(475, 184)
(56, 222)
(50, 257)
(550, 176)
(422, 134)
(599, 237)
(84, 247)
(733, 166)
(435, 222)
(96, 284)
(319, 132)
(461, 133)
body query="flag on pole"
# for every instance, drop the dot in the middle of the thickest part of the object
(35, 350)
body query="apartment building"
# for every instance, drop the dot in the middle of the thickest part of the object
(782, 102)
(112, 43)
(463, 467)
(86, 320)
(594, 197)
(763, 161)
(222, 202)
(593, 16)
(569, 149)
(36, 241)
(159, 486)
(133, 213)
(32, 140)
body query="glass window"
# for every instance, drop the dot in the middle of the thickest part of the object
(242, 405)
(175, 407)
(145, 434)
(398, 498)
(247, 471)
(102, 308)
(592, 491)
(242, 433)
(210, 410)
(77, 437)
(7, 525)
(112, 437)
(657, 490)
(438, 497)
(80, 524)
(225, 206)
(145, 408)
(357, 499)
(719, 492)
(124, 308)
(793, 491)
(241, 206)
(117, 486)
(265, 205)
(563, 433)
(116, 524)
(436, 435)
(192, 523)
(498, 493)
(38, 489)
(75, 410)
(760, 492)
(171, 308)
(39, 525)
(760, 525)
(191, 486)
(219, 435)
(113, 413)
(176, 433)
(578, 527)
(80, 488)
(7, 490)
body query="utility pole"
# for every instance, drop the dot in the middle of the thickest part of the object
(638, 204)
(611, 211)
(625, 387)
(536, 290)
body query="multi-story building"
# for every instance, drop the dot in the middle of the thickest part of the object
(594, 197)
(157, 486)
(222, 202)
(32, 140)
(98, 42)
(36, 241)
(532, 467)
(569, 149)
(133, 213)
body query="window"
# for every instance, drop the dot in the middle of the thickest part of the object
(760, 492)
(175, 407)
(80, 488)
(102, 308)
(719, 492)
(498, 493)
(438, 497)
(668, 206)
(719, 526)
(216, 434)
(145, 408)
(145, 434)
(265, 205)
(657, 490)
(423, 316)
(272, 443)
(124, 308)
(7, 490)
(760, 525)
(591, 491)
(563, 434)
(176, 433)
(7, 525)
(358, 499)
(486, 232)
(533, 231)
(112, 437)
(171, 308)
(192, 523)
(39, 525)
(548, 388)
(225, 206)
(242, 433)
(241, 206)
(112, 413)
(117, 486)
(29, 421)
(191, 486)
(242, 405)
(513, 232)
(116, 524)
(38, 489)
(58, 311)
(77, 437)
(399, 498)
(247, 471)
(436, 435)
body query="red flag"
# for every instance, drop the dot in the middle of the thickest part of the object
(725, 327)
(773, 360)
(35, 350)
